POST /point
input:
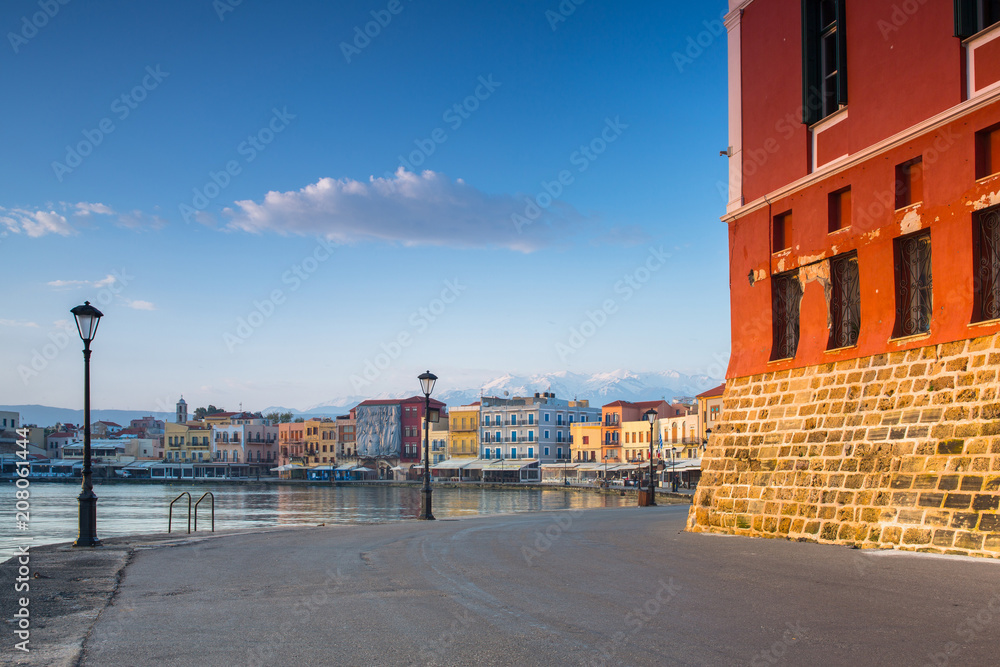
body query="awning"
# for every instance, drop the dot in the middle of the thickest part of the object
(287, 466)
(453, 464)
(346, 466)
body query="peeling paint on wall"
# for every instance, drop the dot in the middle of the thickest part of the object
(911, 222)
(985, 201)
(819, 272)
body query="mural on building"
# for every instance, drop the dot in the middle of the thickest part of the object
(378, 430)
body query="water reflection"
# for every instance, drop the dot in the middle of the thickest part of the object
(132, 509)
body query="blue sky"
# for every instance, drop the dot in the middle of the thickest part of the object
(262, 198)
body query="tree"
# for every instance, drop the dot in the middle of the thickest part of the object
(279, 417)
(299, 420)
(201, 413)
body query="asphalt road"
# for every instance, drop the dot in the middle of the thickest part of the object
(599, 587)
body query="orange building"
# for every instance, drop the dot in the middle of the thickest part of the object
(864, 245)
(613, 415)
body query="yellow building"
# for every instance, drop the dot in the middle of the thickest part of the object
(463, 436)
(585, 442)
(635, 441)
(320, 438)
(187, 443)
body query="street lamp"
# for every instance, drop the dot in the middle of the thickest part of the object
(606, 455)
(87, 319)
(427, 381)
(650, 416)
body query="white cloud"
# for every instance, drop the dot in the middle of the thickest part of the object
(17, 323)
(84, 209)
(35, 223)
(141, 305)
(139, 220)
(106, 281)
(410, 209)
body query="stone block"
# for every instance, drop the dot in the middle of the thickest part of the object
(951, 447)
(917, 536)
(964, 520)
(984, 502)
(943, 538)
(970, 541)
(957, 501)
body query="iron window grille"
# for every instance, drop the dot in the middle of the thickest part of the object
(786, 295)
(913, 284)
(986, 251)
(845, 301)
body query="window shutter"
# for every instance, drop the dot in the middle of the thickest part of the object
(811, 107)
(965, 18)
(841, 52)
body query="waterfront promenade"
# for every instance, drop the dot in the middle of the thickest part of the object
(601, 586)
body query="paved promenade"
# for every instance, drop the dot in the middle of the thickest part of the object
(598, 587)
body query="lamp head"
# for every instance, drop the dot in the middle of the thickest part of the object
(87, 319)
(427, 381)
(650, 415)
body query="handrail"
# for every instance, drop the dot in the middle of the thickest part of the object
(212, 495)
(170, 516)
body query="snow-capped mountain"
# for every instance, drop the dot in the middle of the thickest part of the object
(599, 388)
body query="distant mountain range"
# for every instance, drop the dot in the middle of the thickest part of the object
(599, 388)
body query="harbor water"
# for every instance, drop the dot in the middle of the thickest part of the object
(135, 509)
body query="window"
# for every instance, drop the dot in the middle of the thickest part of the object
(909, 183)
(486, 453)
(513, 452)
(782, 231)
(824, 59)
(513, 436)
(972, 16)
(499, 437)
(558, 452)
(531, 452)
(546, 416)
(513, 420)
(486, 420)
(845, 301)
(586, 439)
(988, 151)
(546, 451)
(531, 436)
(839, 205)
(986, 253)
(546, 435)
(531, 418)
(913, 284)
(786, 294)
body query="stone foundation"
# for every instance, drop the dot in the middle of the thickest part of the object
(898, 450)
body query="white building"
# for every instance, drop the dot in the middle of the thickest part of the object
(533, 427)
(245, 442)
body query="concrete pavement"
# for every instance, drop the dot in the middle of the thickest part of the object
(595, 587)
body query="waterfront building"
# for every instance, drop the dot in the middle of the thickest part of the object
(710, 410)
(533, 427)
(860, 404)
(438, 439)
(57, 441)
(187, 442)
(463, 436)
(292, 444)
(388, 431)
(346, 443)
(320, 440)
(105, 429)
(613, 415)
(585, 439)
(150, 426)
(245, 443)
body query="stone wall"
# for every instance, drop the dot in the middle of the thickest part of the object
(897, 450)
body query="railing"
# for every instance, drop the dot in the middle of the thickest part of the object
(170, 516)
(211, 496)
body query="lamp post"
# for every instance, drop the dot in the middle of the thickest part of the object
(650, 416)
(606, 455)
(427, 381)
(87, 319)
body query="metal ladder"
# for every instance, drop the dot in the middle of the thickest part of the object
(170, 515)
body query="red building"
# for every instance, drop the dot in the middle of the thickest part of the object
(864, 234)
(391, 428)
